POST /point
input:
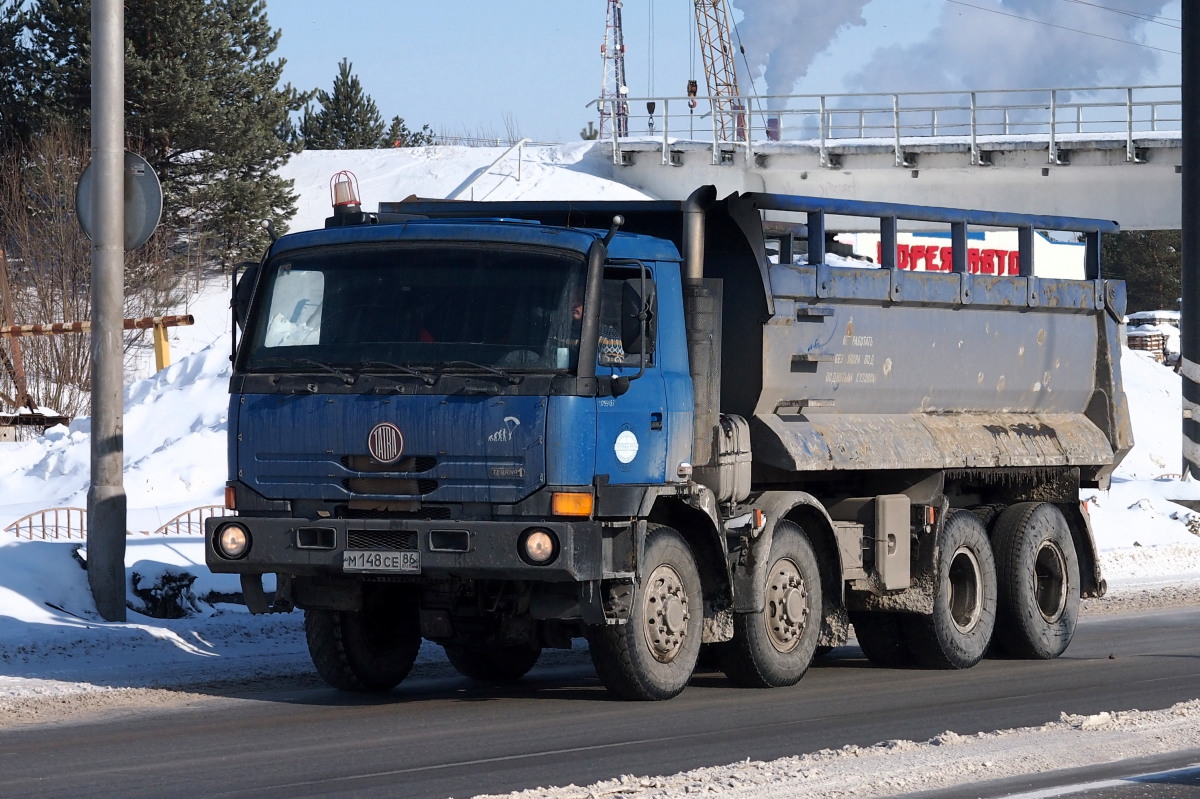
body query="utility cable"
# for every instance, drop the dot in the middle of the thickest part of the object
(1063, 27)
(749, 73)
(1164, 21)
(650, 53)
(693, 33)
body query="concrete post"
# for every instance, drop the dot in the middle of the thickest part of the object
(106, 497)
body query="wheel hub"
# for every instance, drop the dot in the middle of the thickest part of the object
(1050, 581)
(665, 609)
(966, 590)
(786, 611)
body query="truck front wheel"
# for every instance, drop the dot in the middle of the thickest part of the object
(774, 647)
(368, 650)
(652, 656)
(957, 634)
(1039, 581)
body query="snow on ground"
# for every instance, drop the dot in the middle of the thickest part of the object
(892, 768)
(59, 661)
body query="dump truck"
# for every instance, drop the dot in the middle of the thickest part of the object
(672, 428)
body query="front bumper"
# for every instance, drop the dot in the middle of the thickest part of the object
(477, 549)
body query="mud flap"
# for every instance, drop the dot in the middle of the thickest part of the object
(748, 574)
(256, 599)
(600, 603)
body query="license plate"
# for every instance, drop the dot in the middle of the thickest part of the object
(357, 560)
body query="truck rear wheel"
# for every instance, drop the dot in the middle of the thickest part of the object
(957, 634)
(652, 656)
(775, 647)
(881, 638)
(1038, 571)
(494, 665)
(368, 650)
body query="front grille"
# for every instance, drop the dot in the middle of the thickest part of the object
(391, 486)
(385, 540)
(422, 513)
(412, 464)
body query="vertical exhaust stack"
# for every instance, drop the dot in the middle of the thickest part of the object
(702, 313)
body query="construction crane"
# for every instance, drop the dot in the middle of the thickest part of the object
(717, 53)
(614, 92)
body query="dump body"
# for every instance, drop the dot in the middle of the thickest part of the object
(509, 424)
(854, 379)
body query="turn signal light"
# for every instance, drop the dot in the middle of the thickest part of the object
(570, 503)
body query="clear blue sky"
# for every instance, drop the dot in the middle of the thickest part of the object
(529, 67)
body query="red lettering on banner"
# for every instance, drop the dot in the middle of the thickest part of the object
(941, 259)
(930, 263)
(947, 254)
(987, 262)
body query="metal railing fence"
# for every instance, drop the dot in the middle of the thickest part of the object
(71, 523)
(974, 117)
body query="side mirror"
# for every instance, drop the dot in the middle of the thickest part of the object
(243, 289)
(637, 316)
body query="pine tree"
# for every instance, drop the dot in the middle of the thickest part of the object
(398, 135)
(203, 105)
(1150, 262)
(347, 119)
(13, 66)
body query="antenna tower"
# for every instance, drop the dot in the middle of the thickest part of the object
(614, 92)
(716, 50)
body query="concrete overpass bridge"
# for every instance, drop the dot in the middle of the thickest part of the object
(1112, 153)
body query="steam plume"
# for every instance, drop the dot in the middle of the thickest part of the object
(783, 37)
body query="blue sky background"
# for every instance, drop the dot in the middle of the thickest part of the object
(529, 68)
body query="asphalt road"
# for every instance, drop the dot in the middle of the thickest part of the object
(441, 737)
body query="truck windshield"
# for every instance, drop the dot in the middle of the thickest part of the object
(418, 306)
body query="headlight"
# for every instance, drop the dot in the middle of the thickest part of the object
(233, 541)
(538, 546)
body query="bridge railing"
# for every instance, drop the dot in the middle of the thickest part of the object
(972, 117)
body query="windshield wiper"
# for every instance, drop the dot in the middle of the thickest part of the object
(407, 371)
(512, 379)
(323, 367)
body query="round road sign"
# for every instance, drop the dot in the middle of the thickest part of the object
(143, 201)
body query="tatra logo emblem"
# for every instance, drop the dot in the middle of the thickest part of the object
(385, 442)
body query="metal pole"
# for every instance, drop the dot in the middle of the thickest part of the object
(106, 497)
(1190, 294)
(1130, 153)
(974, 136)
(1052, 156)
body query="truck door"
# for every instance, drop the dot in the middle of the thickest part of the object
(632, 420)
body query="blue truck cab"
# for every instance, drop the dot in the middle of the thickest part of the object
(502, 426)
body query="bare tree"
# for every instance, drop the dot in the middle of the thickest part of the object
(49, 260)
